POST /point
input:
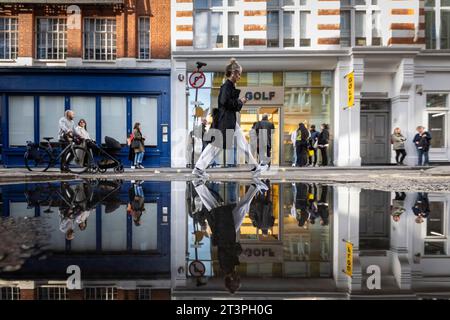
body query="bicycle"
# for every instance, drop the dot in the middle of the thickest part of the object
(74, 158)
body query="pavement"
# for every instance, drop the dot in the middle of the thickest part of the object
(388, 178)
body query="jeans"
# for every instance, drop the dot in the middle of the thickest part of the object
(423, 154)
(400, 155)
(302, 149)
(294, 157)
(138, 191)
(138, 158)
(323, 152)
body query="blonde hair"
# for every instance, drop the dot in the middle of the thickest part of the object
(232, 67)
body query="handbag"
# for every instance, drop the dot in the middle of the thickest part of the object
(135, 144)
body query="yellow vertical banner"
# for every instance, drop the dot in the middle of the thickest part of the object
(350, 89)
(349, 258)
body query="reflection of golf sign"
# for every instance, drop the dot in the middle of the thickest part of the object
(197, 79)
(197, 268)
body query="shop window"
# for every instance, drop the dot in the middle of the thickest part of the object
(437, 100)
(9, 38)
(145, 111)
(114, 118)
(144, 38)
(51, 38)
(436, 125)
(51, 109)
(115, 240)
(436, 233)
(21, 120)
(85, 108)
(145, 235)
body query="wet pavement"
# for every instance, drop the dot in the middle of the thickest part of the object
(250, 238)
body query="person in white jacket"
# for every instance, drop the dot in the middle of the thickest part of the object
(294, 139)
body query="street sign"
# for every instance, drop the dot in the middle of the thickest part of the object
(350, 89)
(197, 268)
(348, 258)
(197, 79)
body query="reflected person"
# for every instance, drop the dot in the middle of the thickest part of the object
(261, 210)
(421, 207)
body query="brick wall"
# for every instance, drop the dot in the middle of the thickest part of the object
(126, 21)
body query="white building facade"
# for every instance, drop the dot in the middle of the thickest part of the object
(298, 52)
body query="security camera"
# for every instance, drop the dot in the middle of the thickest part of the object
(201, 65)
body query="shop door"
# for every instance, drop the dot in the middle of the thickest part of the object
(374, 220)
(375, 132)
(251, 115)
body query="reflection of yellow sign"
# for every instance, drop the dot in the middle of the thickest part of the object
(349, 259)
(351, 89)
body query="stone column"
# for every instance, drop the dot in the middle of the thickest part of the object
(178, 113)
(178, 245)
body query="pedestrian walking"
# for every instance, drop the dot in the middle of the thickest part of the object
(398, 144)
(226, 125)
(301, 144)
(264, 129)
(422, 141)
(137, 144)
(323, 142)
(313, 143)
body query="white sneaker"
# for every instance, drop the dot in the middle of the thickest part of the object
(133, 167)
(259, 169)
(293, 164)
(200, 173)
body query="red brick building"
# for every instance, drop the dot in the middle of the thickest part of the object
(108, 60)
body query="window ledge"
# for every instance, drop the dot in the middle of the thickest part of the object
(8, 60)
(100, 61)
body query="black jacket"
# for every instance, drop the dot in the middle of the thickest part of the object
(324, 137)
(265, 125)
(229, 104)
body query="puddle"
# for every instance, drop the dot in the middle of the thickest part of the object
(255, 239)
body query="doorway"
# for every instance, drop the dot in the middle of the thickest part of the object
(250, 115)
(375, 132)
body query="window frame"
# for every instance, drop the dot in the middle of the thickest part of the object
(438, 9)
(111, 51)
(225, 10)
(444, 110)
(437, 239)
(369, 9)
(13, 54)
(297, 9)
(64, 38)
(149, 38)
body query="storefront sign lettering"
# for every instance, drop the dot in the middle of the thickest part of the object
(257, 252)
(263, 95)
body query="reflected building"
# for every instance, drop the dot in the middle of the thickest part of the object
(255, 239)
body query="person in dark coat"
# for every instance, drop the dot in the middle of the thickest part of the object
(301, 144)
(313, 142)
(323, 142)
(301, 204)
(136, 204)
(264, 130)
(422, 207)
(261, 211)
(225, 127)
(225, 221)
(323, 207)
(422, 141)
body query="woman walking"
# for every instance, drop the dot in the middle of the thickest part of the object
(225, 127)
(138, 146)
(323, 143)
(398, 142)
(301, 145)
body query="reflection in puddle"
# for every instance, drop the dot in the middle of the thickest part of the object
(255, 239)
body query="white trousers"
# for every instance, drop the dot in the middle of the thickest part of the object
(239, 212)
(211, 151)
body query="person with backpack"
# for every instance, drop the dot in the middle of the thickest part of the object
(422, 141)
(137, 144)
(301, 144)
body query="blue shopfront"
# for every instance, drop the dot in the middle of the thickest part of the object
(111, 101)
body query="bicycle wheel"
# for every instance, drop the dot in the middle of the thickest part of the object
(76, 160)
(38, 160)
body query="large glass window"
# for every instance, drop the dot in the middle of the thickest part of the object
(51, 38)
(437, 24)
(100, 39)
(145, 111)
(21, 120)
(216, 24)
(437, 107)
(445, 29)
(85, 108)
(345, 28)
(360, 28)
(144, 38)
(430, 28)
(51, 109)
(9, 35)
(114, 118)
(288, 18)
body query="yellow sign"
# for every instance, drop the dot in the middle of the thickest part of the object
(351, 89)
(349, 259)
